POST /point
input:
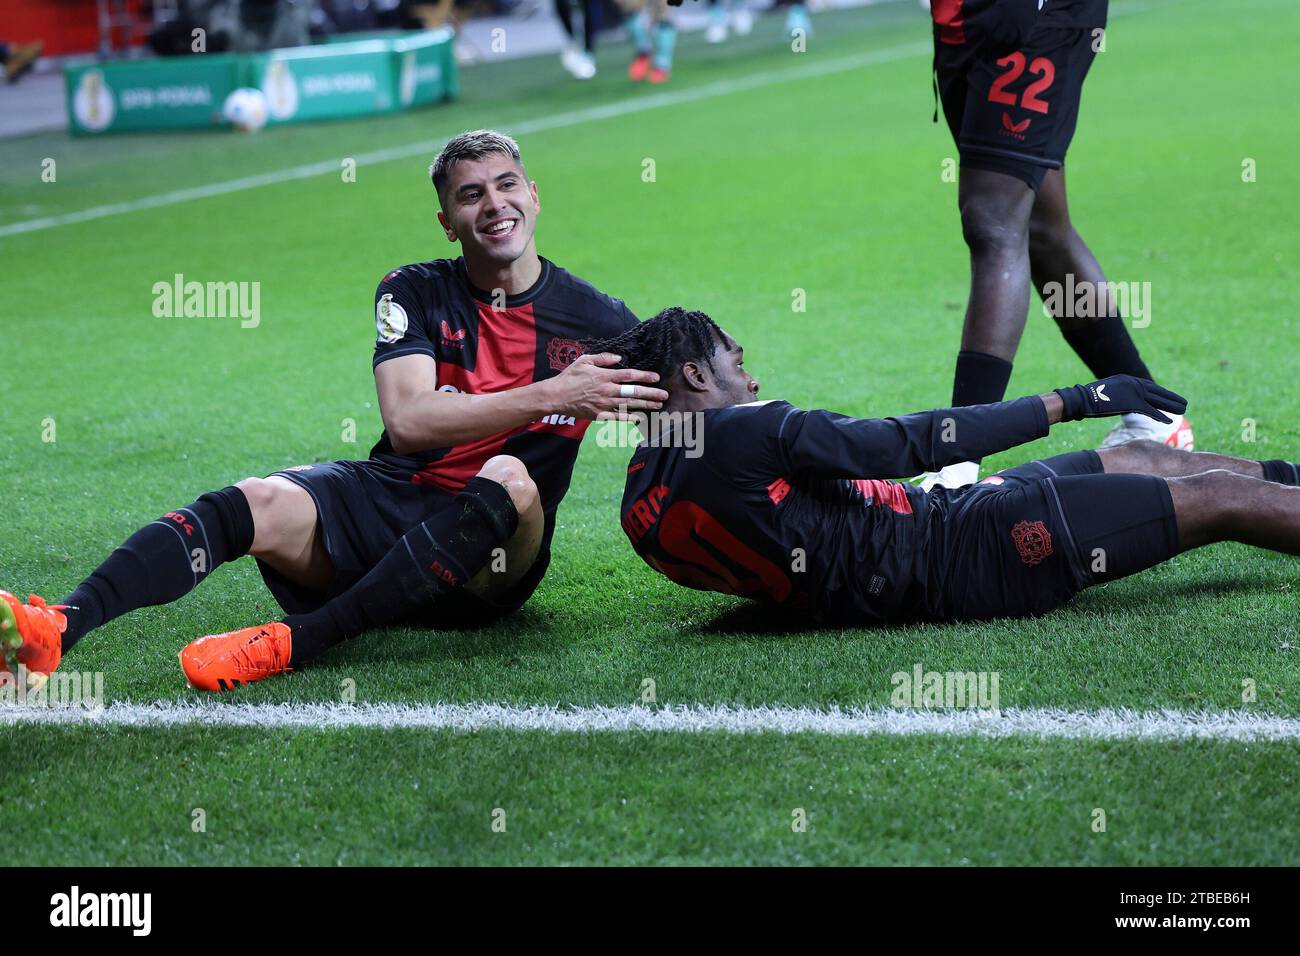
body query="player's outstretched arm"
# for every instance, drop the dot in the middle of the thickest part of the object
(418, 416)
(829, 445)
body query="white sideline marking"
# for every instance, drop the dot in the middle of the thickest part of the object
(857, 722)
(428, 147)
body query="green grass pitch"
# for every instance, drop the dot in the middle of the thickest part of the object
(774, 172)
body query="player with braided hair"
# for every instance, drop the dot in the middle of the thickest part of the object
(663, 343)
(798, 507)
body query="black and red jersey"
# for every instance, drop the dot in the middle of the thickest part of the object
(483, 345)
(798, 507)
(1008, 23)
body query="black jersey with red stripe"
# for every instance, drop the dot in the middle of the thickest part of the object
(1006, 24)
(483, 344)
(797, 507)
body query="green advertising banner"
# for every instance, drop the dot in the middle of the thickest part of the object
(330, 81)
(181, 93)
(426, 71)
(326, 82)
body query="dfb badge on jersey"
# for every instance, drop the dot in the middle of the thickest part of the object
(390, 319)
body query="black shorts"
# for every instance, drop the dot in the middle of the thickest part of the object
(1026, 540)
(363, 509)
(1015, 114)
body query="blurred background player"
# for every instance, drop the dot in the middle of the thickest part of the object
(650, 26)
(797, 22)
(1009, 79)
(724, 14)
(234, 25)
(580, 61)
(18, 58)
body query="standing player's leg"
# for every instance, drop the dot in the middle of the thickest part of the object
(716, 32)
(653, 32)
(590, 23)
(1060, 260)
(1013, 118)
(995, 209)
(456, 547)
(636, 22)
(665, 41)
(995, 198)
(577, 60)
(742, 21)
(798, 25)
(270, 518)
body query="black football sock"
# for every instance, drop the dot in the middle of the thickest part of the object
(1107, 348)
(435, 557)
(980, 379)
(163, 561)
(589, 26)
(565, 14)
(1282, 471)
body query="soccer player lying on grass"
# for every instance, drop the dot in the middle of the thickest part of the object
(771, 502)
(485, 396)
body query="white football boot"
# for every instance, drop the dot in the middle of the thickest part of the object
(716, 32)
(578, 62)
(1177, 434)
(742, 21)
(952, 476)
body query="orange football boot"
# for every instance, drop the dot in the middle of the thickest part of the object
(659, 75)
(227, 661)
(639, 67)
(31, 635)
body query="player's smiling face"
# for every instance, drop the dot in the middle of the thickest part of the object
(491, 208)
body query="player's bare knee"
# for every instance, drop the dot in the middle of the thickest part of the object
(1140, 456)
(1217, 493)
(503, 468)
(989, 226)
(523, 492)
(277, 519)
(260, 495)
(513, 475)
(1145, 450)
(1215, 480)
